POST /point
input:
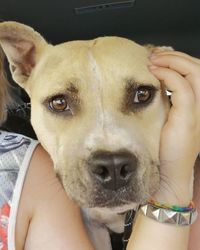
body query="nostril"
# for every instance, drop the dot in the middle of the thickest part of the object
(112, 170)
(125, 171)
(102, 172)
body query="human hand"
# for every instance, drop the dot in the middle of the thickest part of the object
(180, 137)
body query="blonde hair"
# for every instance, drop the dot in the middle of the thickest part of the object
(4, 92)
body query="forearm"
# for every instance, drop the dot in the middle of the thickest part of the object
(153, 235)
(162, 236)
(180, 74)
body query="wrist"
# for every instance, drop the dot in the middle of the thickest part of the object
(170, 214)
(175, 192)
(181, 198)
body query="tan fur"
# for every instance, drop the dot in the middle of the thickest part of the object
(95, 74)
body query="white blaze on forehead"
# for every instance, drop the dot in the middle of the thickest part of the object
(105, 132)
(96, 83)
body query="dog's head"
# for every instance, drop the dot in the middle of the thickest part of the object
(96, 109)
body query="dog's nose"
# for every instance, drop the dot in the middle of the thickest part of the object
(113, 170)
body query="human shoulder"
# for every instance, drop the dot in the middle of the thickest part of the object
(38, 177)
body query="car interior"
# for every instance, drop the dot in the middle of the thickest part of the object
(173, 23)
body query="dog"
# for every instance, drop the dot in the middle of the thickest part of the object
(99, 112)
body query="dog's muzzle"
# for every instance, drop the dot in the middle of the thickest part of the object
(112, 170)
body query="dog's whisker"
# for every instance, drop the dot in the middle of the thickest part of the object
(168, 185)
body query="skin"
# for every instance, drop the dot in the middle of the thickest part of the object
(180, 74)
(180, 144)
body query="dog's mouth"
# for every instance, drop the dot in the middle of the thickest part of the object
(96, 196)
(125, 196)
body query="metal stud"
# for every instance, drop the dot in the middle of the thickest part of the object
(169, 216)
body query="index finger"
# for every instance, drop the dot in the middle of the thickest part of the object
(176, 53)
(190, 70)
(182, 65)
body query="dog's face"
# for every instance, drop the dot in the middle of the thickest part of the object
(97, 110)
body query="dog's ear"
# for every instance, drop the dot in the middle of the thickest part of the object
(23, 47)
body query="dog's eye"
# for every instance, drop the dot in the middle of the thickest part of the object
(143, 95)
(59, 104)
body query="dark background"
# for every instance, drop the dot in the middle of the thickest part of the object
(162, 22)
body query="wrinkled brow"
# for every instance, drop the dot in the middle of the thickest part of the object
(131, 86)
(68, 89)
